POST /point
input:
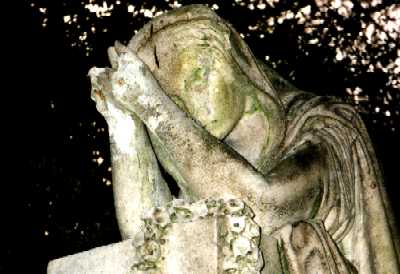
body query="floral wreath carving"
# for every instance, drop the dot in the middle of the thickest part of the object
(239, 241)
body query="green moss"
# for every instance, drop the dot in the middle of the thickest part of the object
(256, 105)
(283, 260)
(195, 77)
(197, 74)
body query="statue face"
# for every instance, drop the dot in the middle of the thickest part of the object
(197, 72)
(206, 88)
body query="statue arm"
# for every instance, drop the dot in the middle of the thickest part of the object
(137, 182)
(209, 168)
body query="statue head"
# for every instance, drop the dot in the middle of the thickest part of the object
(198, 73)
(203, 64)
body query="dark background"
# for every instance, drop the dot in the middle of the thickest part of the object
(58, 199)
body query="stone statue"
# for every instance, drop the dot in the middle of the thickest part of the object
(186, 93)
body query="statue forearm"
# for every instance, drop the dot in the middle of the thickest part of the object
(295, 188)
(137, 182)
(209, 168)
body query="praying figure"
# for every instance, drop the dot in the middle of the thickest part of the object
(187, 96)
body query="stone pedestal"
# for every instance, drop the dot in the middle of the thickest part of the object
(207, 237)
(189, 248)
(114, 258)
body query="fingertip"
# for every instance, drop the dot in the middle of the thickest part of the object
(113, 57)
(119, 47)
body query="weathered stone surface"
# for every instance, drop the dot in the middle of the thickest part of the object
(115, 258)
(199, 240)
(189, 248)
(208, 236)
(226, 238)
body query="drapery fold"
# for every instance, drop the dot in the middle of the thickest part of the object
(353, 227)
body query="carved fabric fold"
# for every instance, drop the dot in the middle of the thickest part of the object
(354, 209)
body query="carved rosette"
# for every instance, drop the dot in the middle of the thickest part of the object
(238, 240)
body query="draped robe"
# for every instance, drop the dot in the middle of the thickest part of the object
(353, 230)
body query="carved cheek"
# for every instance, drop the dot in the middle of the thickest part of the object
(226, 105)
(249, 136)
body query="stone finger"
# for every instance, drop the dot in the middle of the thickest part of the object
(113, 57)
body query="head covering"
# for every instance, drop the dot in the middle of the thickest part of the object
(230, 41)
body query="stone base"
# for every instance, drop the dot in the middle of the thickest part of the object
(115, 258)
(207, 237)
(190, 248)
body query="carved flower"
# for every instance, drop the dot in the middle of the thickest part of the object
(241, 246)
(181, 215)
(230, 265)
(252, 230)
(236, 223)
(160, 216)
(234, 206)
(151, 251)
(199, 209)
